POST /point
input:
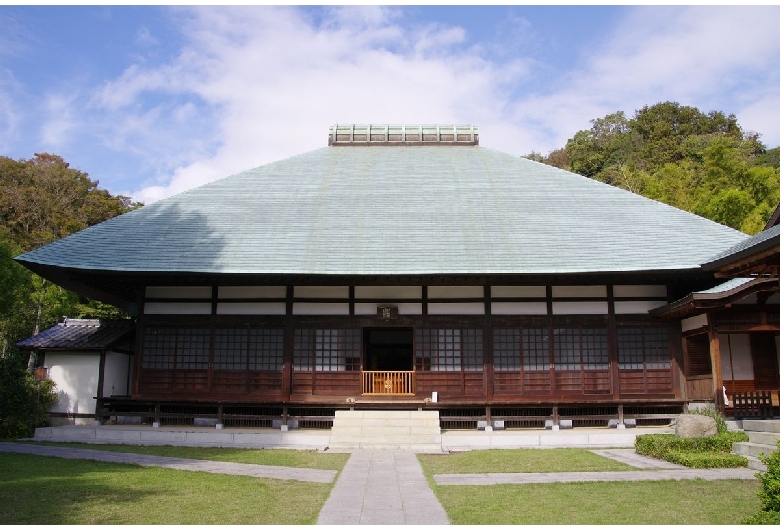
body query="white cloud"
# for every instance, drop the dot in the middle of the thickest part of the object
(258, 84)
(279, 81)
(699, 56)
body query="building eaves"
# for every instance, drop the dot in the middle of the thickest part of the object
(719, 296)
(80, 334)
(750, 251)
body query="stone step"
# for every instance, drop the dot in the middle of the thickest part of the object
(761, 425)
(764, 438)
(751, 449)
(414, 430)
(755, 463)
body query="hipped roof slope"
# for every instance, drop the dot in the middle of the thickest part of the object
(397, 210)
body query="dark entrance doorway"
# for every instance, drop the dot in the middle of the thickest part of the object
(388, 349)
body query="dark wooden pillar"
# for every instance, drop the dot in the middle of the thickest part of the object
(717, 371)
(289, 339)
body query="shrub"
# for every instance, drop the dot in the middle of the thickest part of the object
(23, 402)
(763, 518)
(700, 452)
(770, 482)
(769, 492)
(706, 459)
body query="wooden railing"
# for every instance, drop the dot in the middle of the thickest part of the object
(388, 383)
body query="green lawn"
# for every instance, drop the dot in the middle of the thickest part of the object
(616, 503)
(520, 461)
(47, 490)
(625, 503)
(44, 490)
(268, 457)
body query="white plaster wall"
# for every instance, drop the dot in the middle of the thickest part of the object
(307, 308)
(636, 307)
(254, 291)
(735, 359)
(251, 308)
(116, 374)
(370, 308)
(475, 308)
(519, 308)
(446, 291)
(76, 377)
(580, 308)
(389, 292)
(639, 291)
(177, 308)
(694, 322)
(178, 292)
(317, 291)
(518, 291)
(579, 291)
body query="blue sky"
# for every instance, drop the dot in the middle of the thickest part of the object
(154, 100)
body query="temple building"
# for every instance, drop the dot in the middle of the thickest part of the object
(407, 267)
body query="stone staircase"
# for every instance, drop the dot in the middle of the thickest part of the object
(763, 436)
(413, 430)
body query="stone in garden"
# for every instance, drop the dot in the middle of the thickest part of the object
(693, 425)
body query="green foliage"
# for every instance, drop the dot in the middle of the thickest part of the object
(770, 482)
(764, 518)
(699, 452)
(720, 421)
(705, 459)
(770, 490)
(701, 163)
(23, 401)
(43, 199)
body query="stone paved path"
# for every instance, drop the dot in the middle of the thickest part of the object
(394, 491)
(325, 476)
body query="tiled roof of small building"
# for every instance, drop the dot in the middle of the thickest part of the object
(79, 334)
(745, 248)
(364, 209)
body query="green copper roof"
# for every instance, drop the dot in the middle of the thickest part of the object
(389, 209)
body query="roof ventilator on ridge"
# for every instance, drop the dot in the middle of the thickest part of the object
(363, 135)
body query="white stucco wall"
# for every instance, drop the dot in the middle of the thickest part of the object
(76, 377)
(116, 374)
(735, 359)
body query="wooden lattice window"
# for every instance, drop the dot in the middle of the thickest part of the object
(449, 350)
(327, 350)
(536, 350)
(183, 348)
(516, 349)
(249, 349)
(643, 348)
(193, 349)
(576, 349)
(159, 351)
(266, 349)
(230, 349)
(507, 349)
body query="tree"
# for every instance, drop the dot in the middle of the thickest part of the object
(43, 199)
(702, 163)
